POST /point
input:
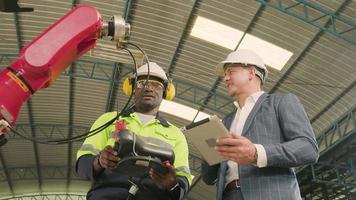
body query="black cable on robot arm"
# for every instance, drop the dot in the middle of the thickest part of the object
(104, 126)
(135, 71)
(99, 129)
(67, 140)
(146, 59)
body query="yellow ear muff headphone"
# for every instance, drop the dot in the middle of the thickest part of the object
(169, 90)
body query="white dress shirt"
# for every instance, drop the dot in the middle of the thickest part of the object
(236, 127)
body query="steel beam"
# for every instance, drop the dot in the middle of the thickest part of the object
(29, 103)
(57, 131)
(129, 11)
(74, 3)
(307, 7)
(338, 177)
(56, 196)
(340, 131)
(252, 23)
(336, 166)
(70, 117)
(70, 124)
(6, 171)
(98, 71)
(195, 163)
(18, 31)
(186, 31)
(305, 50)
(30, 173)
(35, 146)
(112, 87)
(331, 103)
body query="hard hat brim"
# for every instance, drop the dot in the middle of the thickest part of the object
(220, 71)
(153, 74)
(155, 70)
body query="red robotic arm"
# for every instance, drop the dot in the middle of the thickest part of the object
(42, 61)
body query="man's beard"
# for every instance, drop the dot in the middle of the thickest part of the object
(147, 106)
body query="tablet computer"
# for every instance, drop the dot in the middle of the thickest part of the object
(203, 135)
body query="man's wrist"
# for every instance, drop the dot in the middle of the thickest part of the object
(261, 156)
(175, 192)
(255, 156)
(97, 165)
(174, 187)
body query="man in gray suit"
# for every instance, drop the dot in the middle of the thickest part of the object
(270, 135)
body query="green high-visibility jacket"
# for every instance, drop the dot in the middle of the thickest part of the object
(157, 131)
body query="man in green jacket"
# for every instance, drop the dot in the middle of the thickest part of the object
(96, 159)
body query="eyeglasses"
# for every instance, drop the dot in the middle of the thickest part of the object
(229, 72)
(152, 83)
(231, 68)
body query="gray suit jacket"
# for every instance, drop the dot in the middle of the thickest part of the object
(280, 124)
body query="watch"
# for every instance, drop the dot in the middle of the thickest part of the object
(174, 192)
(174, 187)
(255, 157)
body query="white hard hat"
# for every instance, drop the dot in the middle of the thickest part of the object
(245, 57)
(155, 70)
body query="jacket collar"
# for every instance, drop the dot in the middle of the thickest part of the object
(253, 112)
(230, 117)
(164, 122)
(252, 98)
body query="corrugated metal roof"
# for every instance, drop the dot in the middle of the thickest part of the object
(321, 71)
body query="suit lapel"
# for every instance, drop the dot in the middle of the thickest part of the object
(253, 112)
(228, 120)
